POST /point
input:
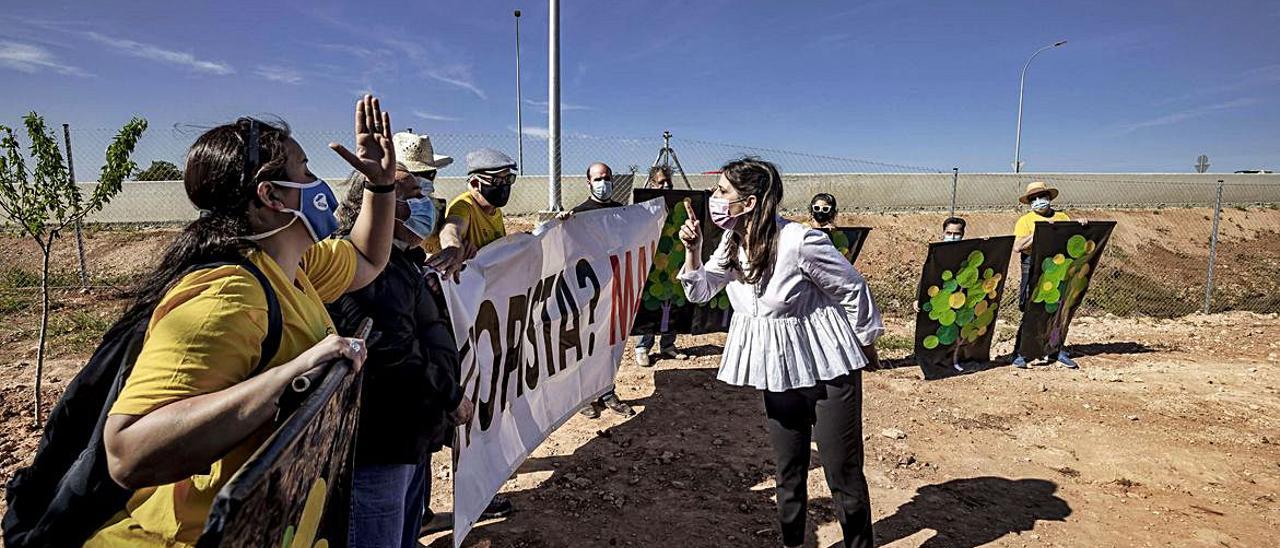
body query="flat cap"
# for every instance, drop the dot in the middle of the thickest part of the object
(487, 159)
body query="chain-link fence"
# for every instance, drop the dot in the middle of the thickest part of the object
(1156, 265)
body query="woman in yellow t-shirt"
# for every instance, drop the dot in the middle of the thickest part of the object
(193, 410)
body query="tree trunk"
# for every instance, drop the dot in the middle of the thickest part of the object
(46, 248)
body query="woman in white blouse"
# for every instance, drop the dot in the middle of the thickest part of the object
(804, 325)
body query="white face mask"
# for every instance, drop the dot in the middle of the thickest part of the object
(602, 189)
(1039, 203)
(951, 237)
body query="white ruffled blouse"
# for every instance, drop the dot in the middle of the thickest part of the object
(806, 325)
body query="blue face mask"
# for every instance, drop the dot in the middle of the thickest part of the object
(317, 203)
(422, 217)
(951, 237)
(1039, 203)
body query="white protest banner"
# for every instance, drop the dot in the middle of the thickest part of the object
(541, 322)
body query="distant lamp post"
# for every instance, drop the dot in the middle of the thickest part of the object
(1022, 84)
(519, 117)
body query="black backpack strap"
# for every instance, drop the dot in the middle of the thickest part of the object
(275, 320)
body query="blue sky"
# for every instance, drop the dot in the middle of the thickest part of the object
(1141, 86)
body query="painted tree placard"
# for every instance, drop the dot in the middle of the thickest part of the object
(848, 240)
(1064, 256)
(959, 299)
(296, 489)
(663, 305)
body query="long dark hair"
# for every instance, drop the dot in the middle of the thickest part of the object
(752, 176)
(223, 169)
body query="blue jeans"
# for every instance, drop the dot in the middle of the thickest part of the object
(667, 340)
(387, 503)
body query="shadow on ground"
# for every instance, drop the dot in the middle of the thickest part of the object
(974, 511)
(693, 468)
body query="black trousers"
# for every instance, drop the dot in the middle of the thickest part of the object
(1024, 295)
(831, 412)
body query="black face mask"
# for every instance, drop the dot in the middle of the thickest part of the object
(496, 195)
(824, 217)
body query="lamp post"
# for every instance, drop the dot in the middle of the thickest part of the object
(519, 100)
(553, 107)
(1022, 83)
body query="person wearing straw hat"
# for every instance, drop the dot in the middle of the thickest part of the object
(1039, 196)
(420, 159)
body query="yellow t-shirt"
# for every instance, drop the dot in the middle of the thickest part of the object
(204, 336)
(1027, 223)
(482, 228)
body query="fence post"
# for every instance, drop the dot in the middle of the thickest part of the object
(955, 178)
(1213, 250)
(71, 173)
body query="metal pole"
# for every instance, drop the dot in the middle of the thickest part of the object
(71, 174)
(553, 106)
(1213, 250)
(1022, 84)
(955, 178)
(519, 100)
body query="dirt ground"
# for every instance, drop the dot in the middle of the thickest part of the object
(1168, 435)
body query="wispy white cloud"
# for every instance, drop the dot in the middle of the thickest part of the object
(276, 73)
(156, 53)
(435, 117)
(1188, 114)
(1265, 75)
(32, 59)
(564, 106)
(537, 132)
(460, 76)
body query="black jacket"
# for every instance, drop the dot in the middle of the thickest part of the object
(411, 374)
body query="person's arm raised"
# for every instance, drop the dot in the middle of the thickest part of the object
(375, 158)
(691, 236)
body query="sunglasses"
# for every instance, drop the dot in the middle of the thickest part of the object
(822, 208)
(497, 180)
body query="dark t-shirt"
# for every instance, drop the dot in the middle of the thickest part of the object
(592, 205)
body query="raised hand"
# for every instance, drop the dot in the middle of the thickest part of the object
(375, 156)
(691, 232)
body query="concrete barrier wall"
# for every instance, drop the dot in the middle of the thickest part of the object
(166, 201)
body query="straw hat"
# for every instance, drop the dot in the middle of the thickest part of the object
(1038, 187)
(415, 152)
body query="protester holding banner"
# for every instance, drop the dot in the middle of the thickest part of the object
(474, 218)
(600, 179)
(195, 406)
(411, 398)
(1039, 196)
(417, 156)
(823, 209)
(659, 178)
(804, 326)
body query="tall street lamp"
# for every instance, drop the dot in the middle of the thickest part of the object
(519, 117)
(1022, 83)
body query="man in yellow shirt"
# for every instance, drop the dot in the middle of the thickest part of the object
(474, 218)
(1039, 196)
